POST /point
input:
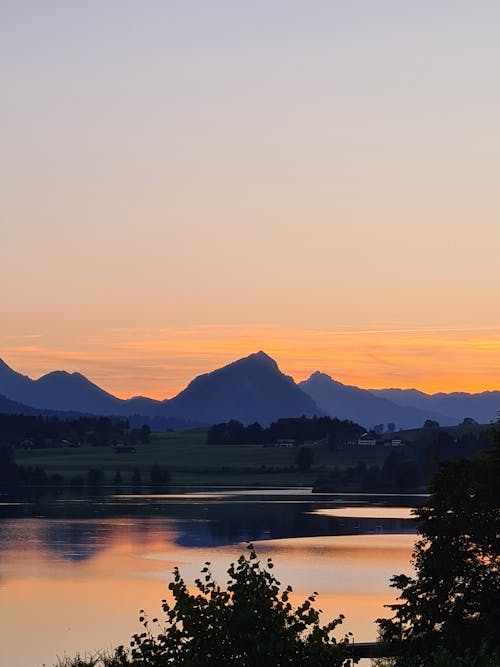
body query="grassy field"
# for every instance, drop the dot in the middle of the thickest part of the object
(190, 461)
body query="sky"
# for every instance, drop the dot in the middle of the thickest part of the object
(187, 182)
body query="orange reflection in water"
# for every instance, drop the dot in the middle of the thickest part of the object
(66, 603)
(368, 512)
(350, 573)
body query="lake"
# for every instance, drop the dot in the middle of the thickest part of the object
(74, 574)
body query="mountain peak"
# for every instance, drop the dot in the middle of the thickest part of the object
(318, 375)
(250, 389)
(261, 357)
(319, 379)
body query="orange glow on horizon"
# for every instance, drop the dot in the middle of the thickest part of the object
(161, 362)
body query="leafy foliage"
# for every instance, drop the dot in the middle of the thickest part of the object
(250, 623)
(453, 602)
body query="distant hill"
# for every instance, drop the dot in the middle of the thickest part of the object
(9, 407)
(484, 407)
(140, 405)
(13, 408)
(71, 392)
(362, 406)
(250, 389)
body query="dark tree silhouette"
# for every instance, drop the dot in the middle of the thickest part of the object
(304, 459)
(249, 623)
(453, 602)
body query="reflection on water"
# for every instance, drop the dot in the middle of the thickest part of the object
(166, 496)
(368, 512)
(76, 584)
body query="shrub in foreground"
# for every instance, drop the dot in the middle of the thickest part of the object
(250, 622)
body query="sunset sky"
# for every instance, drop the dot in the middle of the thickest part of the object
(186, 182)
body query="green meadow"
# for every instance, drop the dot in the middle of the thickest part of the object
(189, 460)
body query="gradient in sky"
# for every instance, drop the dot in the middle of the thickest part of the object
(184, 183)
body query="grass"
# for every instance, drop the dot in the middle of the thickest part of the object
(190, 460)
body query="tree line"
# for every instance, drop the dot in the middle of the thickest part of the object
(298, 429)
(33, 481)
(405, 469)
(40, 431)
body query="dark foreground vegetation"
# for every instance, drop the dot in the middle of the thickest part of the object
(250, 622)
(452, 605)
(447, 615)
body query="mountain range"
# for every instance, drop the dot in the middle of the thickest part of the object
(350, 402)
(249, 389)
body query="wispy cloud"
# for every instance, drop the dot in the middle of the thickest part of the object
(22, 336)
(160, 362)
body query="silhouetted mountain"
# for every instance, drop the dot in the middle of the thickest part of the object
(9, 407)
(250, 389)
(12, 384)
(13, 408)
(140, 405)
(360, 405)
(483, 407)
(72, 391)
(62, 391)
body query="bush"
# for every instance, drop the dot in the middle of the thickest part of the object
(251, 623)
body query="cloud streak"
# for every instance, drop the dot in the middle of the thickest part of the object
(160, 362)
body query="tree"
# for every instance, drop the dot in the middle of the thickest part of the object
(304, 459)
(95, 477)
(399, 472)
(469, 421)
(251, 623)
(144, 434)
(453, 602)
(159, 476)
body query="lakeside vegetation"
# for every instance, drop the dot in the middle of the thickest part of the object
(190, 461)
(185, 458)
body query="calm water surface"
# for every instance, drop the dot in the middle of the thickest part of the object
(74, 575)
